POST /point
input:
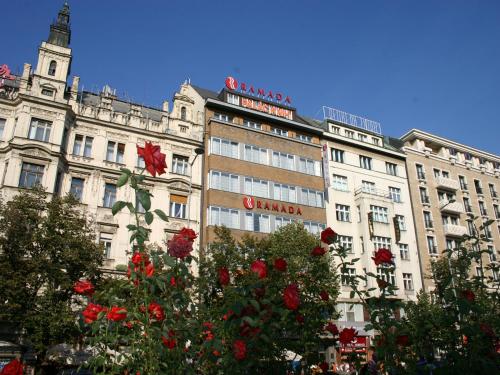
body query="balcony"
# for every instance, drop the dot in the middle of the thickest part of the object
(454, 230)
(373, 192)
(451, 206)
(446, 183)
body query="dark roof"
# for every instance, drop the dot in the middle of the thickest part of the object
(206, 94)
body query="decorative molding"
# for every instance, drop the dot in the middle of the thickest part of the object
(45, 112)
(86, 129)
(181, 149)
(117, 135)
(6, 112)
(178, 185)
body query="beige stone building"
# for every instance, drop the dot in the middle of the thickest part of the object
(73, 141)
(449, 182)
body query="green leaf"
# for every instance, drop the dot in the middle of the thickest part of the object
(117, 207)
(122, 180)
(144, 199)
(131, 227)
(351, 295)
(161, 214)
(255, 304)
(126, 171)
(131, 208)
(148, 217)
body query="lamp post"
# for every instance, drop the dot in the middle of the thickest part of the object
(197, 151)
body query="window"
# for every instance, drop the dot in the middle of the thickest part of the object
(395, 194)
(180, 164)
(252, 124)
(84, 141)
(224, 216)
(362, 137)
(138, 205)
(346, 242)
(279, 131)
(391, 168)
(282, 160)
(423, 195)
(31, 175)
(225, 181)
(284, 193)
(140, 162)
(493, 191)
(487, 231)
(47, 92)
(183, 128)
(305, 138)
(492, 253)
(347, 274)
(222, 117)
(365, 162)
(477, 185)
(362, 244)
(463, 182)
(335, 130)
(40, 130)
(385, 275)
(233, 99)
(255, 186)
(115, 152)
(350, 312)
(257, 222)
(468, 207)
(358, 210)
(407, 281)
(479, 271)
(428, 220)
(381, 242)
(106, 239)
(337, 155)
(446, 219)
(379, 214)
(437, 172)
(255, 154)
(445, 196)
(343, 212)
(52, 68)
(470, 228)
(368, 187)
(76, 188)
(420, 172)
(348, 133)
(375, 141)
(431, 245)
(313, 228)
(225, 147)
(308, 166)
(281, 222)
(401, 222)
(183, 113)
(310, 197)
(482, 209)
(339, 183)
(451, 244)
(2, 127)
(445, 174)
(109, 195)
(404, 251)
(178, 206)
(497, 211)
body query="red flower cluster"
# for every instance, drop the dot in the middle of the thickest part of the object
(383, 256)
(328, 236)
(141, 264)
(332, 328)
(207, 331)
(169, 342)
(300, 318)
(117, 313)
(91, 312)
(468, 295)
(181, 244)
(239, 350)
(402, 340)
(154, 160)
(156, 312)
(347, 336)
(84, 287)
(224, 277)
(382, 283)
(324, 295)
(188, 234)
(280, 264)
(260, 268)
(291, 297)
(318, 251)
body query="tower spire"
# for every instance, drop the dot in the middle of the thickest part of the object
(60, 31)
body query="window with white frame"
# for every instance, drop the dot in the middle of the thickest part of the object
(431, 245)
(365, 162)
(380, 214)
(349, 133)
(233, 99)
(395, 194)
(358, 210)
(391, 168)
(311, 197)
(408, 281)
(337, 155)
(255, 154)
(284, 193)
(343, 212)
(309, 166)
(257, 222)
(76, 188)
(257, 187)
(2, 127)
(368, 187)
(115, 152)
(223, 117)
(380, 242)
(347, 274)
(225, 147)
(178, 205)
(375, 141)
(281, 222)
(40, 130)
(224, 216)
(350, 312)
(304, 138)
(387, 276)
(140, 162)
(180, 164)
(404, 252)
(83, 143)
(420, 171)
(252, 124)
(313, 228)
(279, 131)
(362, 137)
(283, 160)
(346, 242)
(401, 222)
(31, 175)
(224, 181)
(109, 195)
(335, 130)
(451, 244)
(339, 183)
(106, 239)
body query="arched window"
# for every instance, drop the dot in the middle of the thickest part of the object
(52, 68)
(183, 113)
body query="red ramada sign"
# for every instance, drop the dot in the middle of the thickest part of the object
(250, 203)
(232, 84)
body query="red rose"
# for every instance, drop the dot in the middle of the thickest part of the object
(223, 276)
(150, 270)
(280, 264)
(91, 312)
(299, 318)
(139, 258)
(172, 281)
(402, 340)
(347, 336)
(84, 287)
(239, 350)
(291, 297)
(156, 312)
(383, 256)
(169, 342)
(324, 295)
(179, 247)
(117, 313)
(208, 325)
(188, 234)
(129, 325)
(382, 283)
(153, 158)
(228, 315)
(324, 367)
(328, 236)
(260, 268)
(468, 295)
(318, 251)
(332, 328)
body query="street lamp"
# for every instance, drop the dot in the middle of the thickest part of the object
(197, 151)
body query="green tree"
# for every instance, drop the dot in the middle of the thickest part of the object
(45, 247)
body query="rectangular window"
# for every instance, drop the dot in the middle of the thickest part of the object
(496, 211)
(401, 222)
(257, 187)
(380, 214)
(463, 182)
(87, 149)
(284, 193)
(404, 251)
(281, 222)
(365, 162)
(391, 168)
(408, 281)
(282, 160)
(2, 127)
(428, 220)
(368, 187)
(279, 131)
(180, 164)
(492, 253)
(307, 166)
(304, 138)
(138, 205)
(362, 244)
(420, 172)
(310, 197)
(77, 145)
(233, 99)
(470, 228)
(395, 194)
(349, 134)
(109, 195)
(335, 130)
(178, 205)
(346, 242)
(224, 216)
(479, 272)
(381, 242)
(225, 147)
(140, 162)
(467, 206)
(339, 182)
(347, 274)
(255, 154)
(252, 124)
(423, 196)
(313, 228)
(337, 155)
(431, 245)
(375, 141)
(493, 191)
(477, 185)
(40, 130)
(223, 117)
(106, 239)
(386, 276)
(482, 209)
(257, 222)
(362, 137)
(487, 230)
(76, 189)
(343, 212)
(31, 175)
(225, 181)
(47, 92)
(115, 152)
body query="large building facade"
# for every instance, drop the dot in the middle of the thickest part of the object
(451, 184)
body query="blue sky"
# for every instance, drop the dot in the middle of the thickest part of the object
(432, 65)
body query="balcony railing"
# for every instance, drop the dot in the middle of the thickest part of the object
(375, 192)
(447, 183)
(447, 206)
(454, 230)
